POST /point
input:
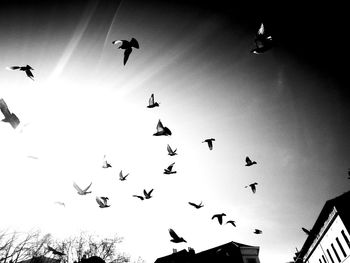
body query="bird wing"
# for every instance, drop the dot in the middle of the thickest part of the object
(169, 149)
(138, 196)
(127, 53)
(210, 144)
(121, 175)
(261, 30)
(134, 43)
(4, 108)
(173, 234)
(118, 43)
(160, 126)
(253, 188)
(193, 204)
(77, 188)
(87, 188)
(151, 100)
(14, 67)
(170, 167)
(247, 159)
(99, 201)
(220, 219)
(150, 192)
(29, 74)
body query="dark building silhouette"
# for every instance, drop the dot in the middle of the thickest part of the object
(231, 252)
(329, 240)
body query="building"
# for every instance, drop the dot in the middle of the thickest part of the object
(328, 240)
(232, 252)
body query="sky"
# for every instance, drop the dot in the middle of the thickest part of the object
(287, 109)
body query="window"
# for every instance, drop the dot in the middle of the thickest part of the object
(335, 252)
(324, 259)
(341, 247)
(330, 256)
(345, 238)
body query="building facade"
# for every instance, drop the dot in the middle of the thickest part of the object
(329, 239)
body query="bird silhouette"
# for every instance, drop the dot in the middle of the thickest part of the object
(257, 231)
(169, 170)
(249, 162)
(60, 203)
(121, 177)
(80, 191)
(139, 196)
(306, 231)
(263, 41)
(151, 103)
(252, 186)
(175, 237)
(231, 222)
(54, 251)
(162, 130)
(219, 217)
(102, 201)
(147, 194)
(106, 164)
(127, 46)
(171, 152)
(210, 143)
(195, 205)
(27, 69)
(9, 117)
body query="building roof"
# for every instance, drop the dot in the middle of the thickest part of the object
(229, 252)
(341, 205)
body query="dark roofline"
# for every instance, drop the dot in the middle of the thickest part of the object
(339, 203)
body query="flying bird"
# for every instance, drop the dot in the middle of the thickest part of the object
(60, 203)
(127, 46)
(147, 194)
(139, 196)
(231, 222)
(9, 117)
(263, 41)
(82, 192)
(257, 231)
(106, 164)
(27, 69)
(306, 231)
(171, 152)
(249, 162)
(121, 177)
(102, 201)
(169, 170)
(210, 143)
(219, 217)
(195, 205)
(162, 130)
(175, 237)
(151, 103)
(54, 251)
(252, 186)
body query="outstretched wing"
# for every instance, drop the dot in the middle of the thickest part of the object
(173, 234)
(193, 204)
(261, 30)
(99, 201)
(4, 108)
(253, 188)
(160, 126)
(121, 175)
(247, 160)
(169, 149)
(138, 196)
(13, 67)
(87, 188)
(77, 188)
(30, 74)
(151, 100)
(134, 43)
(127, 53)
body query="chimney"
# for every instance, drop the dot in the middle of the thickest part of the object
(174, 250)
(191, 251)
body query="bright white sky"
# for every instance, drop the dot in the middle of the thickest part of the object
(85, 104)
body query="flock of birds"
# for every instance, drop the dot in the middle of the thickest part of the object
(263, 43)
